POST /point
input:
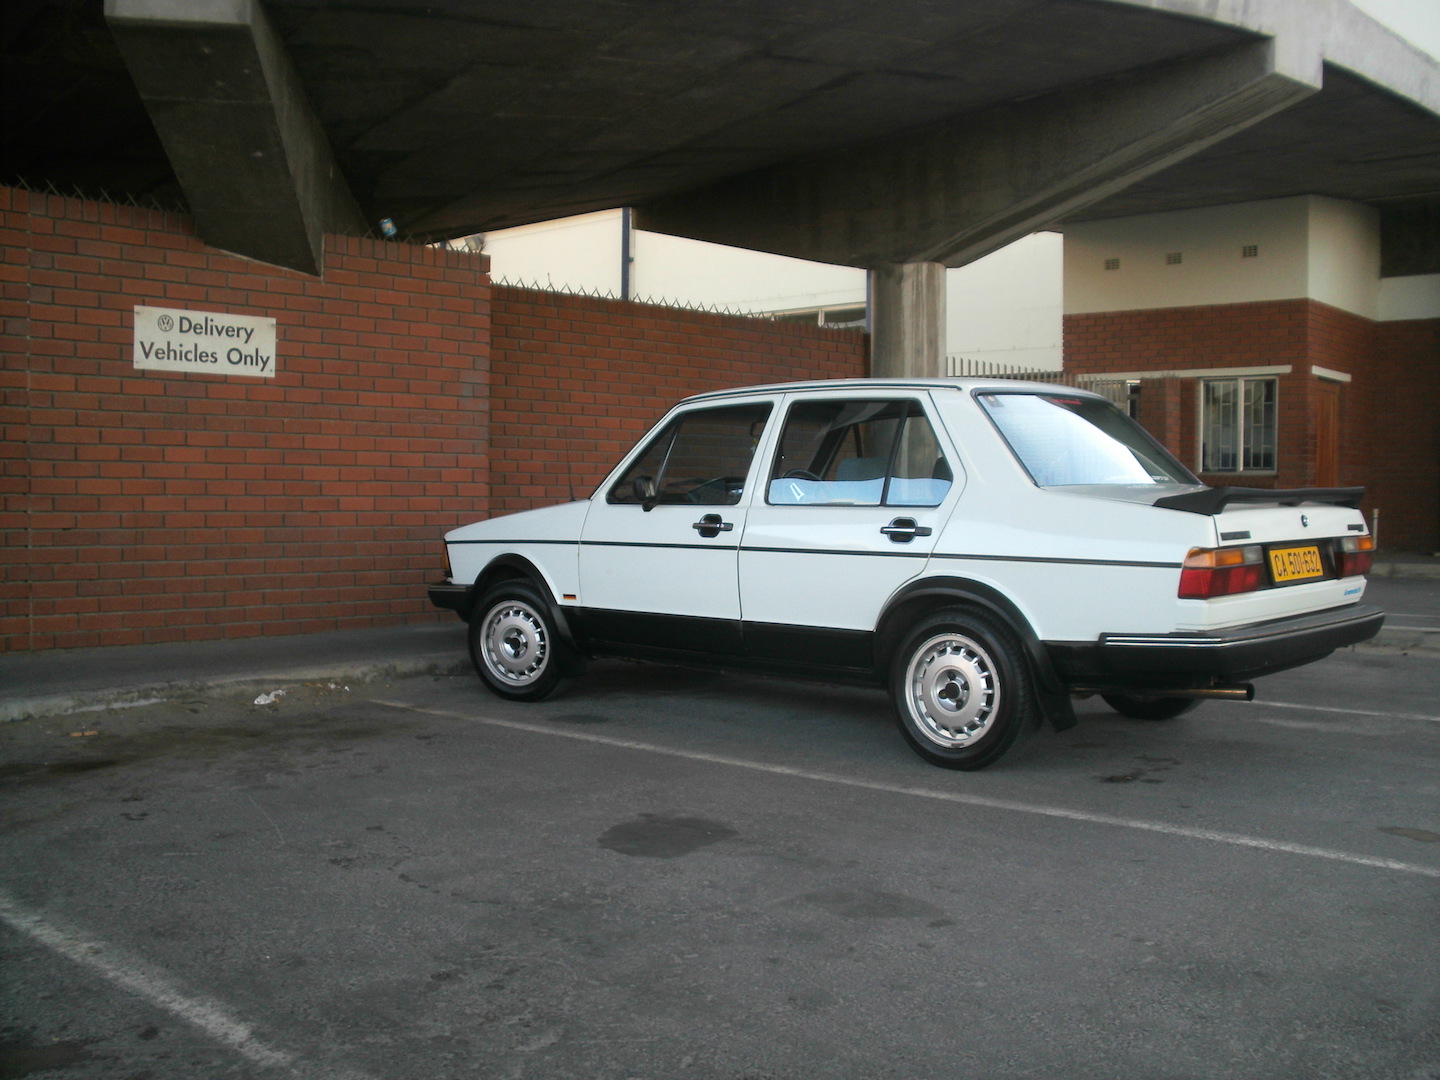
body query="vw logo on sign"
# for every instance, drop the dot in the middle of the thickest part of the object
(165, 323)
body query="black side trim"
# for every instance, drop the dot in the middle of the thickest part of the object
(800, 651)
(513, 542)
(1213, 500)
(644, 546)
(779, 646)
(881, 554)
(637, 633)
(939, 557)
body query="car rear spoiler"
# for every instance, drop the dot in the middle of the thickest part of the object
(1211, 501)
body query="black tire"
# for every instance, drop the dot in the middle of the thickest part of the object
(962, 690)
(514, 645)
(1163, 708)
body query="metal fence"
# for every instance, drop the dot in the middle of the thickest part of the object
(1119, 391)
(963, 367)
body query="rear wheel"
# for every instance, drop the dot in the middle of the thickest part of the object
(962, 690)
(513, 643)
(1161, 708)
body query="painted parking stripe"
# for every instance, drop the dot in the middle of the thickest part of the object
(130, 974)
(1140, 825)
(1333, 709)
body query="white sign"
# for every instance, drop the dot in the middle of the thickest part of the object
(218, 344)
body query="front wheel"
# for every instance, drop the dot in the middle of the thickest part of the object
(513, 643)
(962, 690)
(1138, 708)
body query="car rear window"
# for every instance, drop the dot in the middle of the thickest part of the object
(1066, 440)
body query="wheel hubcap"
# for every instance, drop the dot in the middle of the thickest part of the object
(516, 645)
(954, 690)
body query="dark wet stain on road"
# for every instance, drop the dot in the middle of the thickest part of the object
(654, 837)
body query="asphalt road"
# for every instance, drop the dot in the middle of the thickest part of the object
(664, 874)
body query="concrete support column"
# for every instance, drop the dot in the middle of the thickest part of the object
(907, 320)
(248, 150)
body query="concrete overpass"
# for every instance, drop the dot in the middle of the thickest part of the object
(904, 136)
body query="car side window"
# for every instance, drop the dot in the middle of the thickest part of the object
(858, 453)
(701, 458)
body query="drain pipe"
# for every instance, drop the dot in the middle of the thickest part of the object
(627, 230)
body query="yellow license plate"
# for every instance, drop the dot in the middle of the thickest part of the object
(1296, 564)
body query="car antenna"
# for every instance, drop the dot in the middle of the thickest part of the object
(569, 473)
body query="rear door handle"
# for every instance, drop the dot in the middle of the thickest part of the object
(903, 529)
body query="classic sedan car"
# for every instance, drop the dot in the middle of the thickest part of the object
(986, 550)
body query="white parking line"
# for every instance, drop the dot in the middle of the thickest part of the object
(209, 1016)
(1333, 709)
(1235, 839)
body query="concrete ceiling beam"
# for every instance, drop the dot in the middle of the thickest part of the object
(956, 191)
(247, 149)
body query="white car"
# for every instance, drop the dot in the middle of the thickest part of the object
(987, 550)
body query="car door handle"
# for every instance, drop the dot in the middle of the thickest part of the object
(711, 525)
(903, 529)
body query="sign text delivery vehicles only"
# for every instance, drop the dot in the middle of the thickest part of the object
(167, 339)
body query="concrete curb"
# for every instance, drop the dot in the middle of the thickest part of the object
(257, 683)
(1417, 569)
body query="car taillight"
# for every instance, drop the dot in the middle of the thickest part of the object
(1210, 572)
(1354, 555)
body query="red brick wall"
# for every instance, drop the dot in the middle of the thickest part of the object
(1241, 335)
(146, 506)
(577, 379)
(149, 506)
(1388, 429)
(1403, 476)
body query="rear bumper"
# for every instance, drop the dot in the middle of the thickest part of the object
(1232, 655)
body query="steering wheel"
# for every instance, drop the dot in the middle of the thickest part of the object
(801, 474)
(728, 486)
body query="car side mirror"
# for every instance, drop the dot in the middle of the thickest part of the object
(645, 492)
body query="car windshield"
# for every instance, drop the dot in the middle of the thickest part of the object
(1065, 440)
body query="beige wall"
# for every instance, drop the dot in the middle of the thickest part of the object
(1307, 248)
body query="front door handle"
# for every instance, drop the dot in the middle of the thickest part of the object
(711, 525)
(903, 529)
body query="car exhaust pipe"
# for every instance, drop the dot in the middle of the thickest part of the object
(1229, 692)
(1235, 692)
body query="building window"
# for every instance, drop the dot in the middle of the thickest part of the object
(1237, 425)
(1174, 258)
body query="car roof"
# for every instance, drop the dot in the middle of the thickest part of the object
(960, 385)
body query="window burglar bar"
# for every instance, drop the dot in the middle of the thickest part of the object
(1237, 423)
